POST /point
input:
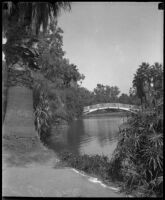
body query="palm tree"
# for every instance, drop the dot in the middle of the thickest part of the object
(141, 82)
(33, 14)
(21, 24)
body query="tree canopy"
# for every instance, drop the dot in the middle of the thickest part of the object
(105, 93)
(21, 24)
(32, 14)
(148, 82)
(52, 62)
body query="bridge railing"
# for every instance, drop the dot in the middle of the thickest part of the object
(113, 105)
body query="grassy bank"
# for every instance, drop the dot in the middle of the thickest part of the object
(96, 166)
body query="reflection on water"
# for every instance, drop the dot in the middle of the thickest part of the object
(95, 135)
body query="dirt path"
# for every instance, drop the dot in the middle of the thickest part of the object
(43, 181)
(38, 174)
(31, 170)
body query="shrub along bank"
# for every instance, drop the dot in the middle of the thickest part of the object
(139, 154)
(54, 106)
(96, 165)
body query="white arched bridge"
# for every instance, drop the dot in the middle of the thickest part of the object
(103, 106)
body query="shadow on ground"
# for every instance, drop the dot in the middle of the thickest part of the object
(24, 151)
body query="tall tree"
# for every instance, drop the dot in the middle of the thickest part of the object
(99, 93)
(31, 14)
(21, 22)
(85, 96)
(124, 98)
(51, 59)
(157, 79)
(114, 93)
(148, 82)
(134, 99)
(141, 81)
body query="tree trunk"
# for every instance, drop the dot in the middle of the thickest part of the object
(18, 129)
(4, 89)
(19, 114)
(18, 133)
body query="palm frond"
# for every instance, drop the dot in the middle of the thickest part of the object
(7, 8)
(44, 12)
(156, 139)
(35, 14)
(160, 180)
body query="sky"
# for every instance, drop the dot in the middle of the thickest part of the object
(109, 40)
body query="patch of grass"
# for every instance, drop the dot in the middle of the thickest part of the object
(96, 165)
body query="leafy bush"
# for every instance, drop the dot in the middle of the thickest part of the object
(139, 154)
(54, 106)
(73, 103)
(41, 110)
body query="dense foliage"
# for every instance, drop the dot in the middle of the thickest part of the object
(148, 82)
(19, 48)
(108, 94)
(56, 90)
(98, 166)
(54, 105)
(34, 15)
(139, 154)
(51, 59)
(21, 23)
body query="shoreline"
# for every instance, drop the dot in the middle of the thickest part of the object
(97, 178)
(93, 177)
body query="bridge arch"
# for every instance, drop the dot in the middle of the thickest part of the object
(103, 106)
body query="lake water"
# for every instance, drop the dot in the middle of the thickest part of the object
(90, 135)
